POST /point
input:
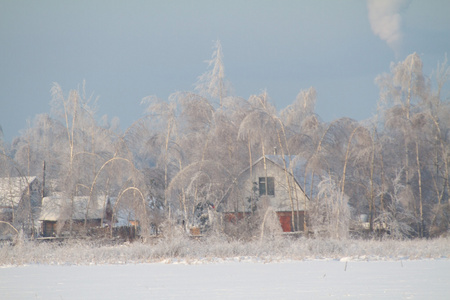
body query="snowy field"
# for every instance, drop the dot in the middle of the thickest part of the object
(245, 278)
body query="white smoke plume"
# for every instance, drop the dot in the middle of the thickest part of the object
(385, 20)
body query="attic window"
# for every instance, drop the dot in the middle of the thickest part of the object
(269, 187)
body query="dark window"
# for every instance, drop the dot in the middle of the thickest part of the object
(269, 187)
(49, 228)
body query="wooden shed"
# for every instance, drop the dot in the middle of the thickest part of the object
(64, 216)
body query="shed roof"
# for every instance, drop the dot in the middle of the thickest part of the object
(59, 207)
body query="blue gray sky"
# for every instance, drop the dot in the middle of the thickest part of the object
(126, 50)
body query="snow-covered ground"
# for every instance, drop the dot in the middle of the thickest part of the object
(232, 279)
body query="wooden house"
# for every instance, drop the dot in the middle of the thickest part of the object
(62, 216)
(270, 180)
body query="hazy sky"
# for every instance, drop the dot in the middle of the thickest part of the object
(126, 50)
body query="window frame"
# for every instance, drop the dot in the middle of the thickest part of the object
(266, 186)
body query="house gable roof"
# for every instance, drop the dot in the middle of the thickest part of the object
(295, 167)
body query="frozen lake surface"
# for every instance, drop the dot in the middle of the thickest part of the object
(247, 279)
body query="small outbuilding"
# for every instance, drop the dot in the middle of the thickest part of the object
(61, 216)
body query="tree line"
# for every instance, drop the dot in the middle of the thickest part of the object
(182, 155)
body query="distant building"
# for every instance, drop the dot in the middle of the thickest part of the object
(20, 200)
(61, 216)
(270, 180)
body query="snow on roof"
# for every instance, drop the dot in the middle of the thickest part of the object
(58, 207)
(12, 189)
(296, 166)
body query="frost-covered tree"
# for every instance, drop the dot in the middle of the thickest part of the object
(213, 83)
(258, 129)
(401, 94)
(296, 113)
(158, 130)
(198, 187)
(330, 215)
(178, 160)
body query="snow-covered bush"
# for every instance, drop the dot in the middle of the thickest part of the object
(77, 252)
